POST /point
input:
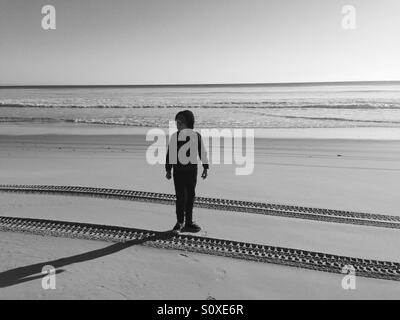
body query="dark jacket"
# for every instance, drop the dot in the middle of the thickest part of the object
(173, 161)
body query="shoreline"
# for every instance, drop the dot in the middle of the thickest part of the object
(358, 133)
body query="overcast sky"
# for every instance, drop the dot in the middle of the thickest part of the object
(197, 41)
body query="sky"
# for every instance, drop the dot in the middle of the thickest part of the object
(123, 42)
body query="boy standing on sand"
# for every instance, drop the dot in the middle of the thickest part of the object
(182, 153)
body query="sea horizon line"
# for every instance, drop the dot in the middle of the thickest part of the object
(249, 84)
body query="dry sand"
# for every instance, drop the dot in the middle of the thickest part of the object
(97, 270)
(360, 175)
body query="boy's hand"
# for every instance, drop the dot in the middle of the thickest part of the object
(168, 175)
(204, 174)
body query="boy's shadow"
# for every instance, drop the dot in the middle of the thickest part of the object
(34, 271)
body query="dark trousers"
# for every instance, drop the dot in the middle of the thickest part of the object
(185, 184)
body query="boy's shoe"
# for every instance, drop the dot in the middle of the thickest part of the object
(192, 227)
(178, 227)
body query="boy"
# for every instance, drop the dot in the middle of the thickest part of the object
(184, 165)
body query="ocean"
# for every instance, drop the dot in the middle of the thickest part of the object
(227, 106)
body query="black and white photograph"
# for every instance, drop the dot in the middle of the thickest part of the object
(199, 150)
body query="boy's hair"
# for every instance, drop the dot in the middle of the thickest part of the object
(187, 116)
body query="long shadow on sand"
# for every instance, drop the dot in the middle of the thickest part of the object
(34, 271)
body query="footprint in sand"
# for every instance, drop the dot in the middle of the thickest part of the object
(221, 274)
(191, 259)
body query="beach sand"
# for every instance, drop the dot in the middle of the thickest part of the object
(348, 174)
(98, 270)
